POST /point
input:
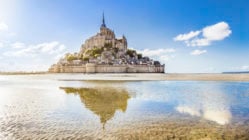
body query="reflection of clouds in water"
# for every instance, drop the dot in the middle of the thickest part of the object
(188, 110)
(154, 91)
(219, 116)
(206, 100)
(212, 104)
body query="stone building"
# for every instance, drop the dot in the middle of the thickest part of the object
(104, 37)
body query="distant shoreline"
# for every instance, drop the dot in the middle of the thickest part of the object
(209, 77)
(143, 76)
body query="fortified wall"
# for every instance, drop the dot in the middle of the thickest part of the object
(93, 68)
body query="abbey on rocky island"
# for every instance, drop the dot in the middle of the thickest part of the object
(104, 53)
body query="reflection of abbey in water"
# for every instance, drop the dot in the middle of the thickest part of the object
(101, 101)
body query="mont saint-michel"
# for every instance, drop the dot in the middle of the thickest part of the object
(104, 53)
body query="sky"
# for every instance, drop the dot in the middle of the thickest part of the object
(193, 36)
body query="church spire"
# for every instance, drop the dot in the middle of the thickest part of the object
(103, 21)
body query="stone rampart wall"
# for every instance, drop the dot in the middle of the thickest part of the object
(92, 68)
(111, 69)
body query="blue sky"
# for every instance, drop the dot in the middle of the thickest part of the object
(188, 36)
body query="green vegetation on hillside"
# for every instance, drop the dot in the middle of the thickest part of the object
(131, 53)
(95, 52)
(71, 57)
(86, 58)
(139, 56)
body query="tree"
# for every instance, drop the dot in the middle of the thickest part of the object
(71, 57)
(131, 52)
(81, 56)
(96, 55)
(86, 59)
(157, 63)
(97, 51)
(139, 56)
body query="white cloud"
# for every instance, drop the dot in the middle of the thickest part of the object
(183, 37)
(163, 55)
(36, 57)
(1, 45)
(198, 42)
(59, 56)
(216, 32)
(5, 32)
(240, 68)
(3, 26)
(18, 45)
(18, 56)
(49, 48)
(156, 52)
(165, 58)
(245, 67)
(198, 52)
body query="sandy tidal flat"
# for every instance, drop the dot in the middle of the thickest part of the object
(139, 76)
(158, 77)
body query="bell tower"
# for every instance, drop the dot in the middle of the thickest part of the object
(103, 21)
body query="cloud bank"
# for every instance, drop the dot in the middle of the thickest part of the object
(49, 48)
(37, 57)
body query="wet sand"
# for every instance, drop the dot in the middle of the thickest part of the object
(181, 130)
(157, 130)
